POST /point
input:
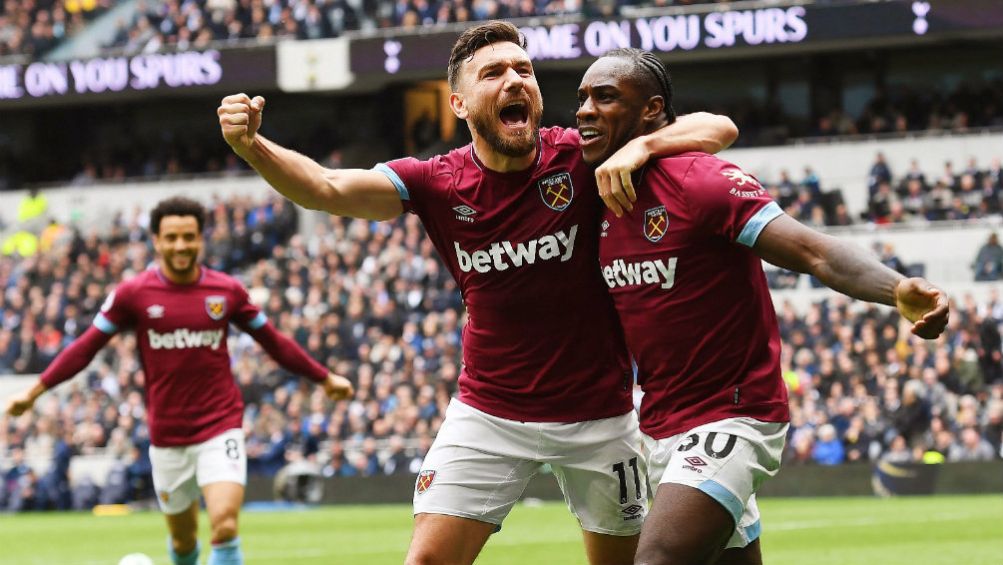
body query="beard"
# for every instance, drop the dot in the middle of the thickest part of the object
(513, 144)
(172, 264)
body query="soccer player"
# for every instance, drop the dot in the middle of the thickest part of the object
(181, 313)
(514, 217)
(685, 272)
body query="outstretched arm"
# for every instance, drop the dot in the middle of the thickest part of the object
(699, 131)
(69, 362)
(294, 359)
(846, 268)
(345, 192)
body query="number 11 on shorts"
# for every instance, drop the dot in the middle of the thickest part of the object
(621, 472)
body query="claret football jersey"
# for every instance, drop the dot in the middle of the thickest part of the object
(181, 331)
(692, 296)
(541, 341)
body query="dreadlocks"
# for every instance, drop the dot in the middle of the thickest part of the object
(649, 71)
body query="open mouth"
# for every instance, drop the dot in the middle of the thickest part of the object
(589, 135)
(515, 115)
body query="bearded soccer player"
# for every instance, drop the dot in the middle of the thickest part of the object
(514, 216)
(685, 272)
(181, 313)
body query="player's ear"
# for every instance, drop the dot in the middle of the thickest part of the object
(458, 105)
(653, 109)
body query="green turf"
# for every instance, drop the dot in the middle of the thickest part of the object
(846, 531)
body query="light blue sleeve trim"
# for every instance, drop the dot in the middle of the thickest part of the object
(394, 178)
(258, 321)
(104, 324)
(756, 224)
(753, 532)
(724, 496)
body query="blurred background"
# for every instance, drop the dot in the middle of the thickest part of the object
(880, 122)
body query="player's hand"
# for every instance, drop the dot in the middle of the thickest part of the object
(240, 118)
(613, 177)
(20, 403)
(338, 388)
(923, 304)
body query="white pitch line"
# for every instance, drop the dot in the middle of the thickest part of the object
(816, 524)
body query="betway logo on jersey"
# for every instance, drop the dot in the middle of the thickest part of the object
(185, 339)
(621, 273)
(501, 255)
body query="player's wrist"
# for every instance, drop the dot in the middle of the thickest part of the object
(648, 145)
(37, 390)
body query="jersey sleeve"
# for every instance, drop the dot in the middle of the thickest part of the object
(116, 312)
(410, 177)
(726, 201)
(246, 315)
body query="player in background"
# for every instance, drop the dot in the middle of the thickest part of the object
(685, 272)
(181, 312)
(515, 219)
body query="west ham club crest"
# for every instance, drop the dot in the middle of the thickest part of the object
(656, 223)
(215, 306)
(557, 191)
(424, 481)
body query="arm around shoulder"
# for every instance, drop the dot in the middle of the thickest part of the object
(700, 131)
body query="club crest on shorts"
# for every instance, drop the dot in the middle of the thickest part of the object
(215, 306)
(557, 191)
(165, 496)
(656, 223)
(424, 481)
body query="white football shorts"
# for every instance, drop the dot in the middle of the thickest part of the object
(479, 466)
(180, 472)
(728, 459)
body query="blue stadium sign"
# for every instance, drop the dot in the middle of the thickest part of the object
(678, 32)
(121, 76)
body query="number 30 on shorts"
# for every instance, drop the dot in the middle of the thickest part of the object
(711, 446)
(621, 472)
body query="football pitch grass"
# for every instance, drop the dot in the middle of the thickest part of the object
(943, 530)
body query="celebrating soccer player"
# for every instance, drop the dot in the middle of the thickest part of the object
(514, 216)
(181, 314)
(685, 272)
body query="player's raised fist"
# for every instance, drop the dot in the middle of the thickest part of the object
(923, 304)
(338, 387)
(20, 404)
(239, 120)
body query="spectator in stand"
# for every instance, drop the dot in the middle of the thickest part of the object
(882, 202)
(828, 448)
(972, 447)
(879, 174)
(886, 254)
(989, 261)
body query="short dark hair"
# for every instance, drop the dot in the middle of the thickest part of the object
(176, 206)
(649, 71)
(472, 39)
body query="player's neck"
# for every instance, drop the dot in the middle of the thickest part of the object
(176, 277)
(500, 163)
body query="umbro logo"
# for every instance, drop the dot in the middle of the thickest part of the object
(694, 463)
(464, 213)
(605, 226)
(155, 312)
(633, 512)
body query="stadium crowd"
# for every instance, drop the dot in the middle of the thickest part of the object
(34, 27)
(373, 302)
(972, 192)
